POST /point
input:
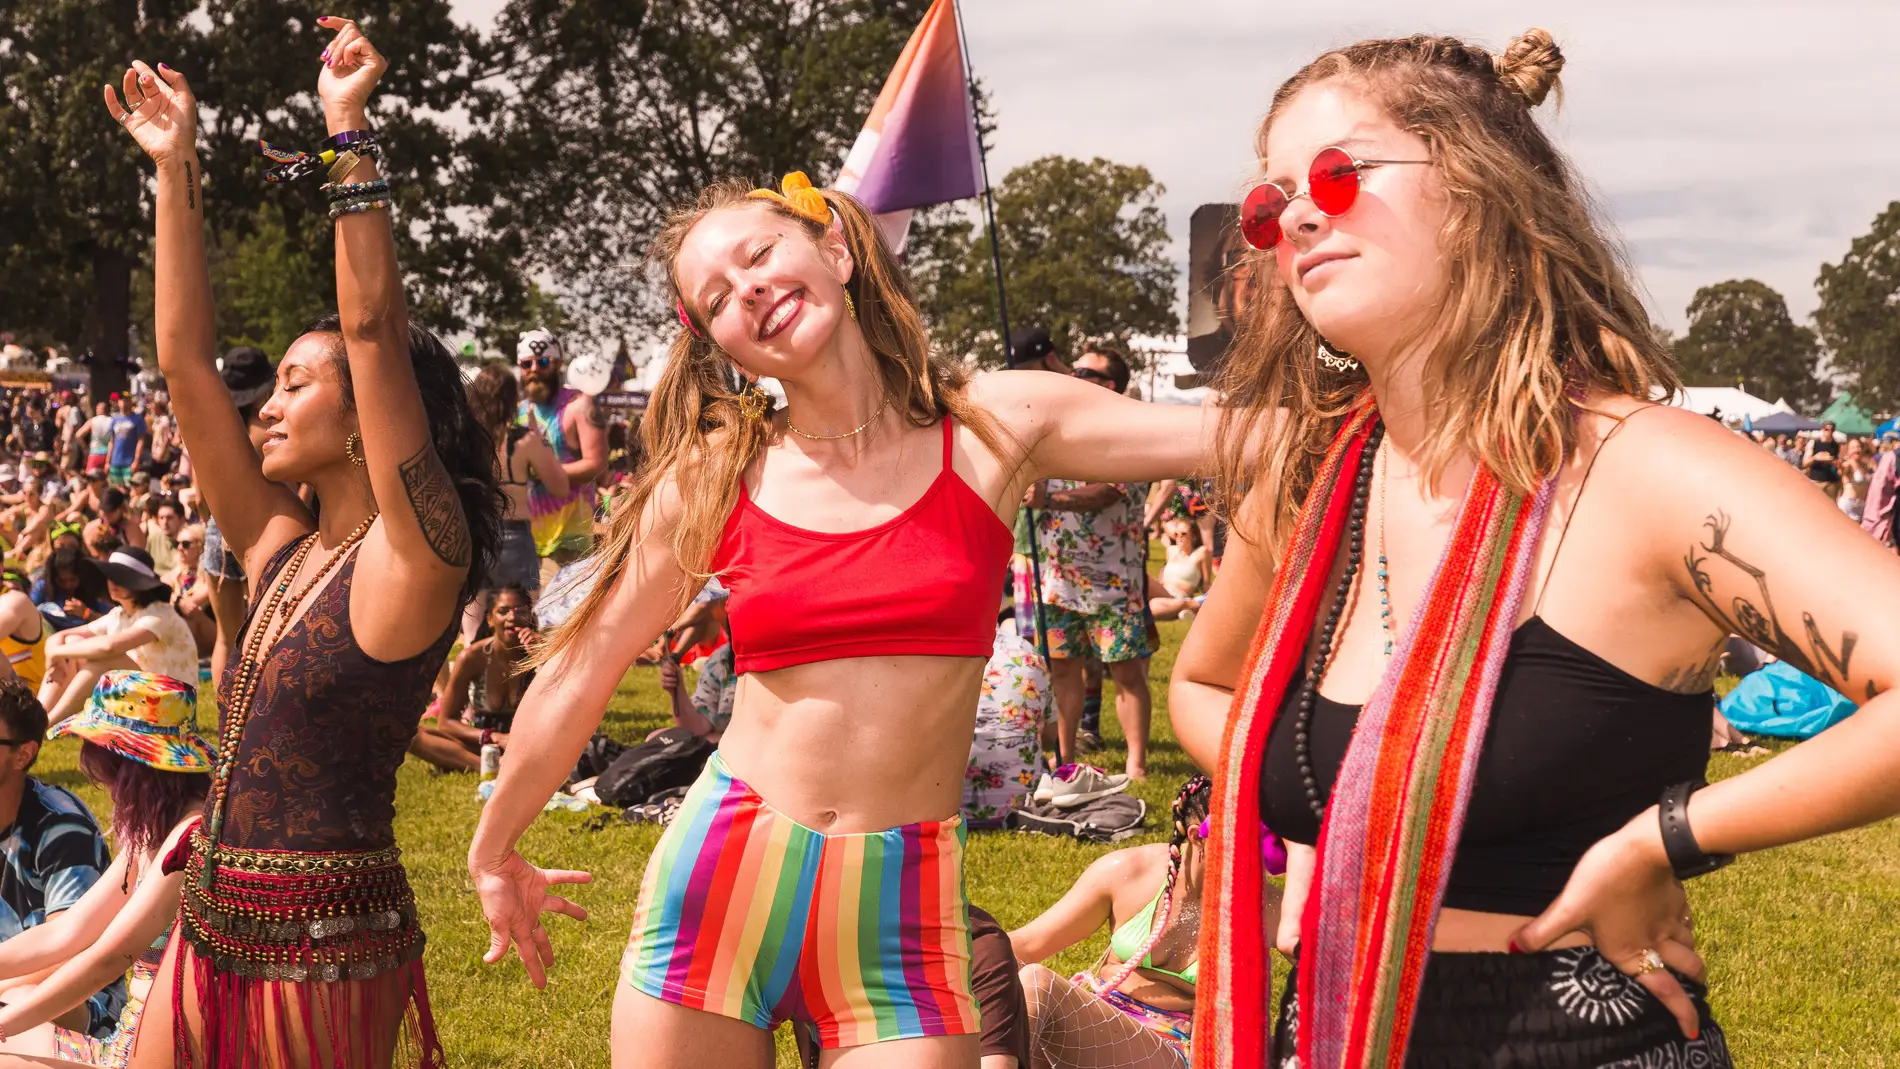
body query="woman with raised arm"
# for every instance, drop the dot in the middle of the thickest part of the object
(299, 942)
(1462, 646)
(826, 825)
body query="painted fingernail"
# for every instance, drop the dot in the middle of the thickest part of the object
(1512, 947)
(162, 67)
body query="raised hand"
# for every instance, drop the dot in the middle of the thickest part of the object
(351, 69)
(158, 111)
(514, 895)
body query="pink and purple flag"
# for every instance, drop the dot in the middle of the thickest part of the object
(918, 146)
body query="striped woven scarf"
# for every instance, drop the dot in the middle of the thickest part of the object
(1398, 806)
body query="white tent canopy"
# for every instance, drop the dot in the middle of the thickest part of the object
(1729, 401)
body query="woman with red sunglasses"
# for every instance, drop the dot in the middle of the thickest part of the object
(1462, 646)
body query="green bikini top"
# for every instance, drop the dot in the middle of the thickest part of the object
(1135, 931)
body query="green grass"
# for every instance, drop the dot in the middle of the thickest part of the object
(1801, 942)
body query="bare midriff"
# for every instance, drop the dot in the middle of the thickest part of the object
(859, 744)
(1465, 931)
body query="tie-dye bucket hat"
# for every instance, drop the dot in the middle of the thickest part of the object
(151, 719)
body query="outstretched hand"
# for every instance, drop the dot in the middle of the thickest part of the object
(514, 895)
(158, 111)
(1624, 894)
(351, 68)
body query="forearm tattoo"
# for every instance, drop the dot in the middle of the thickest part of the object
(191, 187)
(1761, 624)
(438, 509)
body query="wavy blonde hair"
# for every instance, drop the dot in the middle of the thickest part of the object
(693, 425)
(1539, 308)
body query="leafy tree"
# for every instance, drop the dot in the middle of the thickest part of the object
(1084, 255)
(1859, 315)
(1740, 334)
(620, 111)
(76, 206)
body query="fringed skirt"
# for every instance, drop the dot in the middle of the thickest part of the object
(299, 958)
(1559, 1009)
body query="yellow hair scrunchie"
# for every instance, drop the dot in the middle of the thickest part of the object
(796, 193)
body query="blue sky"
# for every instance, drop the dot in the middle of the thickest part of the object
(1725, 138)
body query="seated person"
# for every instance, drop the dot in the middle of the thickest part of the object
(1006, 753)
(191, 593)
(708, 710)
(1135, 1008)
(484, 687)
(23, 631)
(70, 591)
(1187, 574)
(51, 848)
(150, 760)
(142, 645)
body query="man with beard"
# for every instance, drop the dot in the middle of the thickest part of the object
(563, 526)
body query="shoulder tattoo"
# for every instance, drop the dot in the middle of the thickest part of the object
(438, 510)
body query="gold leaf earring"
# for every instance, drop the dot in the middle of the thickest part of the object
(752, 401)
(850, 306)
(353, 448)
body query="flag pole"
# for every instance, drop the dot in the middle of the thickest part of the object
(1002, 318)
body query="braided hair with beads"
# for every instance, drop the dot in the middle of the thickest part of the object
(1190, 810)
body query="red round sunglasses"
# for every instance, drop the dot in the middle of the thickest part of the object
(1332, 181)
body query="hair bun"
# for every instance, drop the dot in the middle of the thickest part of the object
(1530, 65)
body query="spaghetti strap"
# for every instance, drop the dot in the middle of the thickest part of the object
(949, 438)
(1537, 608)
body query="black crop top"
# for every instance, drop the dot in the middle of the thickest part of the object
(1576, 747)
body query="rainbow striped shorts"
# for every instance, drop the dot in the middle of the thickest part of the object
(746, 913)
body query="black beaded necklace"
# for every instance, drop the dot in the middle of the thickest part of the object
(1309, 687)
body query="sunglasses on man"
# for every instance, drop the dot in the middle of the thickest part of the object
(535, 363)
(1332, 182)
(1092, 375)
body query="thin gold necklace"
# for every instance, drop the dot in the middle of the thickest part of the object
(793, 427)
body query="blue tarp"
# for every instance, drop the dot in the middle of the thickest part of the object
(1784, 423)
(1780, 701)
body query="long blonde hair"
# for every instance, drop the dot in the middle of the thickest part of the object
(693, 423)
(1539, 307)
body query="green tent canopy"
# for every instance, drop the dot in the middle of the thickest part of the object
(1848, 417)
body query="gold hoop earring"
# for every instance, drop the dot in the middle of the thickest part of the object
(752, 402)
(1340, 362)
(850, 306)
(352, 448)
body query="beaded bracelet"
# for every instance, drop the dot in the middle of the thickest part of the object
(338, 211)
(354, 189)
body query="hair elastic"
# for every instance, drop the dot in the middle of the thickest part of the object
(795, 192)
(686, 320)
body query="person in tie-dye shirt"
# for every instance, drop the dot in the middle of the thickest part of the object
(563, 525)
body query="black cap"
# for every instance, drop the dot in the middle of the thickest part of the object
(1029, 346)
(247, 373)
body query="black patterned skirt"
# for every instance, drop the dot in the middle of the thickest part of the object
(1560, 1009)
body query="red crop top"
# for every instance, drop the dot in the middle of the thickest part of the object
(927, 581)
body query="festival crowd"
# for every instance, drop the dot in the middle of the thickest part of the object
(1448, 761)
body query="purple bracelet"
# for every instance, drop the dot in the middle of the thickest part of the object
(351, 137)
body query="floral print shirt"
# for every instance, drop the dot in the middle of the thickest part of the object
(1094, 561)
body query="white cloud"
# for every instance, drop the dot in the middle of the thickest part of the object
(1727, 138)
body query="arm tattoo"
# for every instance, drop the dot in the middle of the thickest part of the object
(1762, 625)
(191, 187)
(438, 510)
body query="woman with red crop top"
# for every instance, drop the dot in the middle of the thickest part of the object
(814, 871)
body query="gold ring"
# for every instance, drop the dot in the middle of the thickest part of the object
(1652, 962)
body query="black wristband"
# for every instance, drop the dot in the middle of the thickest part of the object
(1685, 854)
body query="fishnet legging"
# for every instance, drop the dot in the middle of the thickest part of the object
(1070, 1028)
